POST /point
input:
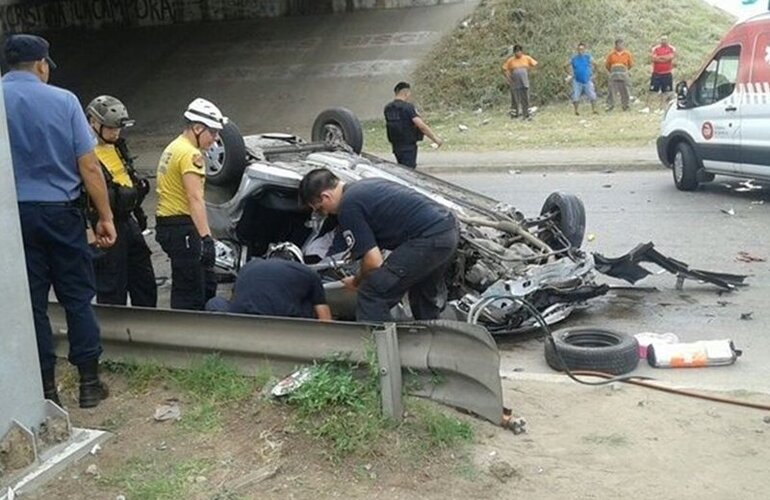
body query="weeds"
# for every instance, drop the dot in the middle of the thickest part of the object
(145, 479)
(344, 409)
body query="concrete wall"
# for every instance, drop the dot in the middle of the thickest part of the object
(43, 15)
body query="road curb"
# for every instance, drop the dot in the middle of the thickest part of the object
(540, 167)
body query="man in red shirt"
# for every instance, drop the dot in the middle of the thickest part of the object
(662, 80)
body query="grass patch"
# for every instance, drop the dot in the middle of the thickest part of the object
(213, 379)
(146, 479)
(554, 126)
(340, 404)
(139, 375)
(463, 71)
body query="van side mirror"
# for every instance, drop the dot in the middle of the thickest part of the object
(682, 95)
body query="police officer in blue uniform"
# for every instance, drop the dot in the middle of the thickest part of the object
(405, 127)
(52, 148)
(280, 285)
(375, 215)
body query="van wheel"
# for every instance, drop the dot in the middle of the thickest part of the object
(685, 168)
(226, 159)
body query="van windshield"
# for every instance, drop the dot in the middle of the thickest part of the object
(718, 79)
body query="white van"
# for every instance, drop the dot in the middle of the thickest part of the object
(720, 123)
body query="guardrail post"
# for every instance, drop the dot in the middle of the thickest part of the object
(389, 364)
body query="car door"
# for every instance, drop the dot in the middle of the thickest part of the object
(716, 112)
(755, 112)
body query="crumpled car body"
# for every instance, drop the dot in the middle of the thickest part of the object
(503, 258)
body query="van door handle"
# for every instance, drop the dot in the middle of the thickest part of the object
(731, 108)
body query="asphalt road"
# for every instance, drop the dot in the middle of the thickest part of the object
(630, 207)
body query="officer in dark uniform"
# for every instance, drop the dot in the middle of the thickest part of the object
(279, 286)
(126, 268)
(53, 159)
(405, 127)
(376, 214)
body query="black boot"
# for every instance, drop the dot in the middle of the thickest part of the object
(49, 386)
(92, 390)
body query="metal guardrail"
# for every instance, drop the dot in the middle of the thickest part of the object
(453, 363)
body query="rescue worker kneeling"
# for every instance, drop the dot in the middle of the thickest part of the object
(376, 214)
(125, 269)
(280, 285)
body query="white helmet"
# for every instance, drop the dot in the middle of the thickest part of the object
(285, 249)
(203, 111)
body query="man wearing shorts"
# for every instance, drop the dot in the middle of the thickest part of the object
(581, 66)
(662, 79)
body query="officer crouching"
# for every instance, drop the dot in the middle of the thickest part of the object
(125, 269)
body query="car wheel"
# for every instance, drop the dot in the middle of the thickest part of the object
(592, 349)
(338, 125)
(226, 159)
(685, 168)
(569, 217)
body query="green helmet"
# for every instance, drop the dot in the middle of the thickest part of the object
(109, 111)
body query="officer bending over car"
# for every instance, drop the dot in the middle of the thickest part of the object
(280, 285)
(182, 227)
(375, 215)
(125, 269)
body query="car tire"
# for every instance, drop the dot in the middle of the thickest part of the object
(685, 168)
(592, 349)
(338, 124)
(570, 218)
(226, 159)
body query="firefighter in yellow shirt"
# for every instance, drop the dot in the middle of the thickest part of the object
(182, 228)
(125, 269)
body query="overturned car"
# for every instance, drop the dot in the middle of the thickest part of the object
(509, 272)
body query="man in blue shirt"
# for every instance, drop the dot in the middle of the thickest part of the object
(581, 67)
(53, 158)
(375, 215)
(280, 285)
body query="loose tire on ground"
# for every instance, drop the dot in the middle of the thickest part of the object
(685, 168)
(570, 218)
(226, 159)
(593, 349)
(338, 124)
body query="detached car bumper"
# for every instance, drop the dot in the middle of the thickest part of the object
(662, 145)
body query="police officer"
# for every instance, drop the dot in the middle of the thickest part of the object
(53, 158)
(280, 285)
(181, 225)
(405, 128)
(375, 215)
(125, 269)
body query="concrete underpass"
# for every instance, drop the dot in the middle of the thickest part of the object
(266, 73)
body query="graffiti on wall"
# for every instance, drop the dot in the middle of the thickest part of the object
(40, 16)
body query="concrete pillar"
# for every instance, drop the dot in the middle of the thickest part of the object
(21, 392)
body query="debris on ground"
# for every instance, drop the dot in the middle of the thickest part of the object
(258, 476)
(168, 411)
(747, 186)
(728, 211)
(503, 471)
(606, 185)
(645, 339)
(294, 381)
(462, 128)
(96, 449)
(766, 419)
(514, 172)
(693, 354)
(628, 267)
(744, 256)
(747, 316)
(93, 470)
